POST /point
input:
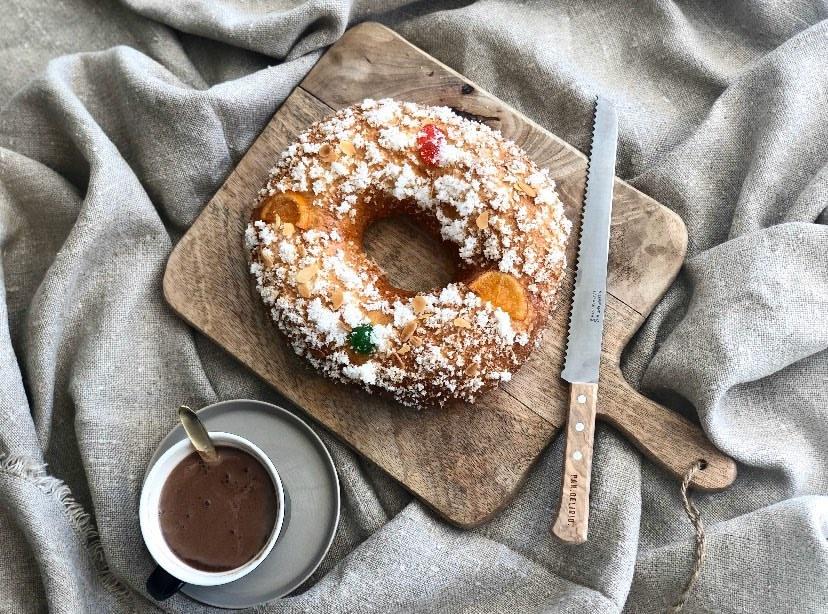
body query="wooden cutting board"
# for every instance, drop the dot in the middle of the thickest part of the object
(466, 461)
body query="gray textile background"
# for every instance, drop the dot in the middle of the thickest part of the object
(119, 121)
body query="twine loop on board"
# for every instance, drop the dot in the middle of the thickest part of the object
(695, 519)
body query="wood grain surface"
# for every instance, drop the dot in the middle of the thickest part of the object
(572, 523)
(465, 461)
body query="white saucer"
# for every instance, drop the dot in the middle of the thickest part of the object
(311, 499)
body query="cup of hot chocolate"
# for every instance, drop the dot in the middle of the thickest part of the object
(209, 523)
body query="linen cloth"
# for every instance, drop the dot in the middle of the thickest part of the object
(120, 120)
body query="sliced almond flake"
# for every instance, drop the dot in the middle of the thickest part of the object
(482, 220)
(526, 189)
(415, 341)
(304, 290)
(404, 349)
(399, 360)
(408, 330)
(288, 229)
(419, 304)
(378, 317)
(327, 153)
(472, 370)
(267, 259)
(337, 297)
(461, 323)
(300, 249)
(307, 274)
(347, 148)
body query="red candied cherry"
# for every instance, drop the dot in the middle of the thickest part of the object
(429, 141)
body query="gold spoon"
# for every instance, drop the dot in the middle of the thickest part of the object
(198, 434)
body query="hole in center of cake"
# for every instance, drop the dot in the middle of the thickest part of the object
(412, 258)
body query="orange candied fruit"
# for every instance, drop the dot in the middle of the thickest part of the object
(290, 207)
(504, 291)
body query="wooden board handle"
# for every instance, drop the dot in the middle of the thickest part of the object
(668, 438)
(572, 523)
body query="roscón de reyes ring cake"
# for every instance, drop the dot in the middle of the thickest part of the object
(460, 180)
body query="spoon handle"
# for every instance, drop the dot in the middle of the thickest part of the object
(198, 434)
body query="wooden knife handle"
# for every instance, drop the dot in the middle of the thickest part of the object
(667, 438)
(572, 523)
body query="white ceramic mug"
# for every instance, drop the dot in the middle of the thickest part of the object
(172, 572)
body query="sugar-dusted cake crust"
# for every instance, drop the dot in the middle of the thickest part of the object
(476, 190)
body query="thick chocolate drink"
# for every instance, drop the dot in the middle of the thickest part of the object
(217, 517)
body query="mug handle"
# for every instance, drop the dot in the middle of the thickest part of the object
(161, 585)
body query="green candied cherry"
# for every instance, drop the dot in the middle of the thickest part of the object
(360, 339)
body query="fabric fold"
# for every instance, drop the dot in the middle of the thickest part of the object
(119, 121)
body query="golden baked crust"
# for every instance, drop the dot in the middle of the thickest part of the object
(461, 180)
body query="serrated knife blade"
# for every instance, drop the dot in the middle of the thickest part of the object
(586, 321)
(586, 325)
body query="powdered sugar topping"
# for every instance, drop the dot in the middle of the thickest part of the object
(500, 210)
